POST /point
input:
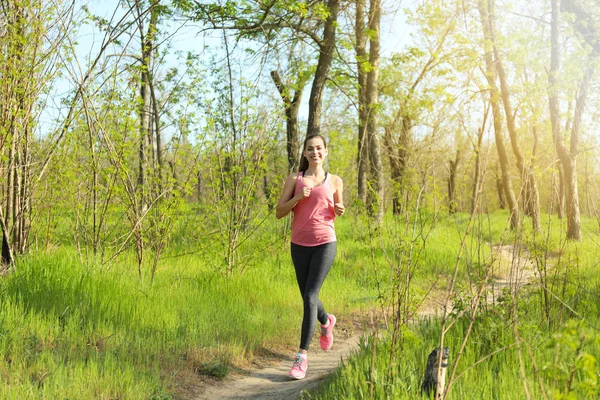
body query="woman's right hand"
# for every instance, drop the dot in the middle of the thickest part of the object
(305, 192)
(287, 201)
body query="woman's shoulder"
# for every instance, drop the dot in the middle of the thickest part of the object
(292, 178)
(335, 179)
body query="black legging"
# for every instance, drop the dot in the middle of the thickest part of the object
(312, 264)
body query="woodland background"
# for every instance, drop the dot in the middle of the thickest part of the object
(486, 100)
(128, 155)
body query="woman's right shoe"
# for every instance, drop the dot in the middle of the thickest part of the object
(299, 368)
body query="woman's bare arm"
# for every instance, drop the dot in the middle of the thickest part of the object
(338, 196)
(286, 202)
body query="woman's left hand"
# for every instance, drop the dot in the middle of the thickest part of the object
(339, 209)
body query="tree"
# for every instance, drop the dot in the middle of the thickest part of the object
(530, 191)
(257, 20)
(477, 169)
(147, 115)
(453, 167)
(411, 87)
(586, 26)
(363, 111)
(292, 97)
(491, 75)
(326, 48)
(375, 176)
(31, 43)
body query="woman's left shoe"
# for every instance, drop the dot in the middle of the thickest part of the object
(327, 333)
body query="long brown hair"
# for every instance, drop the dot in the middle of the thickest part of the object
(303, 160)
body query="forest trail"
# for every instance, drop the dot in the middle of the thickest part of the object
(513, 268)
(272, 382)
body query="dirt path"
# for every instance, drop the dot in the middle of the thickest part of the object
(272, 382)
(512, 268)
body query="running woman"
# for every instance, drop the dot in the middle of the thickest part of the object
(315, 197)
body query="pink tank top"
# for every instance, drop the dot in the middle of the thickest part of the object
(313, 215)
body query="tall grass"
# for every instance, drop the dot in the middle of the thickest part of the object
(553, 356)
(562, 365)
(68, 327)
(73, 328)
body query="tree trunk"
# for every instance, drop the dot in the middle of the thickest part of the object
(531, 196)
(7, 254)
(158, 150)
(500, 190)
(291, 106)
(533, 206)
(585, 24)
(572, 194)
(395, 169)
(268, 193)
(144, 111)
(145, 108)
(11, 207)
(497, 118)
(452, 204)
(363, 111)
(553, 83)
(16, 200)
(24, 216)
(477, 173)
(561, 191)
(572, 201)
(327, 47)
(21, 47)
(375, 177)
(398, 154)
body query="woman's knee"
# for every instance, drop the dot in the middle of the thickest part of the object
(311, 299)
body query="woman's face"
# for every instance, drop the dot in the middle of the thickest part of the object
(315, 151)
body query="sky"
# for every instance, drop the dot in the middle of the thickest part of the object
(395, 34)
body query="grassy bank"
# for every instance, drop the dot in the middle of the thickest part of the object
(73, 328)
(542, 342)
(81, 330)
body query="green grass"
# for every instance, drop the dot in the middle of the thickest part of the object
(560, 342)
(496, 376)
(72, 328)
(83, 330)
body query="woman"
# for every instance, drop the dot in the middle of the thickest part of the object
(315, 196)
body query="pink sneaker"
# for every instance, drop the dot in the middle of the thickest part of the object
(299, 368)
(327, 333)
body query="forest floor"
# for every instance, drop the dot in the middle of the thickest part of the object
(268, 377)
